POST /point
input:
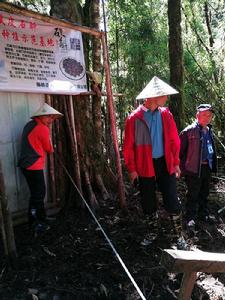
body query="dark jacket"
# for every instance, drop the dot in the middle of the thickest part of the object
(191, 150)
(34, 145)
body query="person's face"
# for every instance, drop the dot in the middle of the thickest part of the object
(204, 117)
(160, 101)
(153, 103)
(47, 120)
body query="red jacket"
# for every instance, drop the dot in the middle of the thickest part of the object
(137, 148)
(35, 143)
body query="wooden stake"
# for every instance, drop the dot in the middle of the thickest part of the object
(4, 239)
(7, 225)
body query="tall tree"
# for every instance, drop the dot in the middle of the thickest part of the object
(176, 59)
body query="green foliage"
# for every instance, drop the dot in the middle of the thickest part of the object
(204, 49)
(138, 45)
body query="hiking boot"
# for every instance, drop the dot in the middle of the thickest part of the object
(153, 220)
(176, 222)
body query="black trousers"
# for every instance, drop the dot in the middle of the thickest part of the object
(197, 194)
(36, 183)
(166, 184)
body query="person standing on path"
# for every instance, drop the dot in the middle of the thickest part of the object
(35, 144)
(151, 152)
(198, 161)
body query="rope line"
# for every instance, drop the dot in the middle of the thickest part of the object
(103, 232)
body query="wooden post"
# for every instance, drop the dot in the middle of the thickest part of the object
(6, 222)
(111, 110)
(187, 285)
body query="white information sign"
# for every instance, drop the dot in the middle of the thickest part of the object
(40, 57)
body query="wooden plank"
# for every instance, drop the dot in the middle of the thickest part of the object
(44, 18)
(193, 261)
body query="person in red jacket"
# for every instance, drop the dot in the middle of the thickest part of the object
(35, 144)
(151, 151)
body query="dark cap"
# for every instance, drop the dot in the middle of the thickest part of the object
(204, 107)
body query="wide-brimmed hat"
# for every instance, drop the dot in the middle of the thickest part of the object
(204, 107)
(47, 110)
(156, 88)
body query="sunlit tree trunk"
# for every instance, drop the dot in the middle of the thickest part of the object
(97, 66)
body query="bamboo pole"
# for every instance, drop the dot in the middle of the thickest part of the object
(44, 18)
(110, 106)
(7, 229)
(59, 142)
(74, 148)
(77, 162)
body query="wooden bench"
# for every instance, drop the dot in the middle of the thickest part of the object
(189, 263)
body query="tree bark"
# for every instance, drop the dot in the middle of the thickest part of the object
(70, 9)
(176, 60)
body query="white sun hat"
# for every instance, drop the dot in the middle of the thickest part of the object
(156, 88)
(47, 110)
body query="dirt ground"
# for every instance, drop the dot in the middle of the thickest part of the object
(73, 260)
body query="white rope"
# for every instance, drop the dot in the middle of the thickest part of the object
(105, 235)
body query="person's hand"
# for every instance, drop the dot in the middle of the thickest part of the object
(177, 171)
(133, 176)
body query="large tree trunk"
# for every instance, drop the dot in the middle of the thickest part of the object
(95, 172)
(96, 100)
(69, 9)
(176, 59)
